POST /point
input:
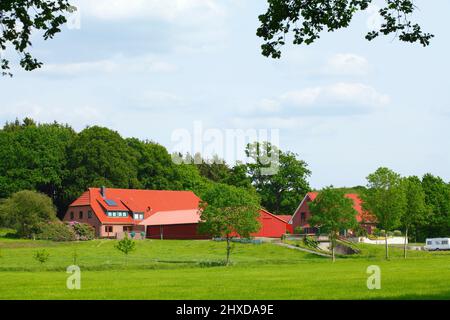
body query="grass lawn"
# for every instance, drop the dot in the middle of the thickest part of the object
(179, 270)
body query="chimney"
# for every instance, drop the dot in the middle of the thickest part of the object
(103, 192)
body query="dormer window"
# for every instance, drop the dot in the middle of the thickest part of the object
(117, 214)
(138, 216)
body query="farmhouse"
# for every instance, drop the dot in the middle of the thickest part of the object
(301, 216)
(157, 213)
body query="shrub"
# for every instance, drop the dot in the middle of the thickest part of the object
(83, 231)
(126, 246)
(298, 230)
(55, 231)
(397, 233)
(310, 242)
(41, 256)
(217, 263)
(25, 211)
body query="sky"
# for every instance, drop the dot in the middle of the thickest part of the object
(189, 74)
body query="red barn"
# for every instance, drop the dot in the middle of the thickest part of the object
(302, 214)
(272, 226)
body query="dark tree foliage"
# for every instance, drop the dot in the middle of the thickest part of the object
(34, 157)
(100, 157)
(307, 19)
(279, 177)
(20, 18)
(155, 169)
(437, 197)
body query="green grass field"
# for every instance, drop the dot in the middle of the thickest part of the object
(180, 270)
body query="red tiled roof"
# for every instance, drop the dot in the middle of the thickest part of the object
(284, 217)
(261, 211)
(147, 202)
(83, 200)
(357, 205)
(172, 217)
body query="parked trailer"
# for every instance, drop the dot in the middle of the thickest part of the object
(437, 244)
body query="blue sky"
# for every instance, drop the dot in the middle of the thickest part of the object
(147, 68)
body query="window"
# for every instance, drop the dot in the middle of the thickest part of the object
(138, 216)
(429, 243)
(116, 214)
(127, 229)
(303, 217)
(108, 229)
(444, 241)
(81, 215)
(72, 216)
(89, 214)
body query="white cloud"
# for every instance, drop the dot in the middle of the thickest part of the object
(338, 99)
(345, 64)
(118, 64)
(302, 97)
(165, 10)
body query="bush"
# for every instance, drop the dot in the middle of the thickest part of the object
(55, 231)
(397, 233)
(25, 211)
(311, 242)
(298, 230)
(83, 231)
(360, 232)
(41, 256)
(210, 264)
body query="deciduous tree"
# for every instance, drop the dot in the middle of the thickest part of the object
(416, 212)
(307, 19)
(228, 212)
(279, 177)
(21, 19)
(333, 212)
(385, 198)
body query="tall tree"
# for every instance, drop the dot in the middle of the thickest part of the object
(307, 19)
(20, 19)
(385, 198)
(333, 212)
(155, 169)
(229, 212)
(279, 177)
(99, 156)
(416, 212)
(437, 196)
(24, 211)
(33, 157)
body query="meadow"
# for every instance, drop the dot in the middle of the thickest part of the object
(191, 270)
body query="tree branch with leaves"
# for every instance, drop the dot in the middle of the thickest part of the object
(307, 19)
(20, 18)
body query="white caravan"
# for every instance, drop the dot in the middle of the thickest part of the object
(437, 244)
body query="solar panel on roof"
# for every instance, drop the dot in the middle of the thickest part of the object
(111, 203)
